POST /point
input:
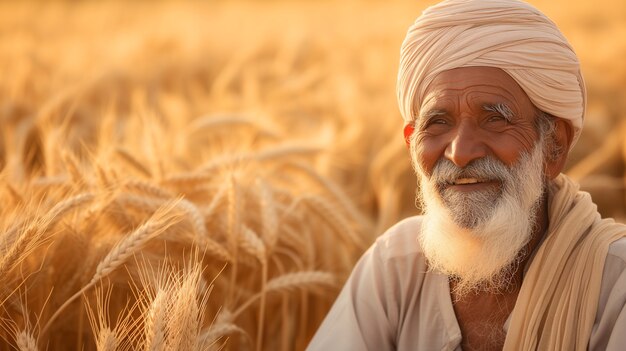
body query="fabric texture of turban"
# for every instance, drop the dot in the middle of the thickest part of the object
(508, 34)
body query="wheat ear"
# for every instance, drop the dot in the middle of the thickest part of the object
(143, 203)
(216, 249)
(291, 281)
(252, 244)
(62, 208)
(106, 340)
(202, 237)
(336, 191)
(299, 279)
(329, 213)
(223, 325)
(213, 122)
(155, 322)
(185, 315)
(159, 222)
(17, 245)
(213, 334)
(264, 155)
(148, 189)
(269, 216)
(189, 179)
(196, 218)
(26, 341)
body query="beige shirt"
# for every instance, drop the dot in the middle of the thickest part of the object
(392, 302)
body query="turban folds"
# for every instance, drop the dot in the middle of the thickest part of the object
(507, 34)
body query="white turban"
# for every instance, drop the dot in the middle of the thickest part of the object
(507, 34)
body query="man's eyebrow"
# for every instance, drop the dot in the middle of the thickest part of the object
(426, 115)
(501, 108)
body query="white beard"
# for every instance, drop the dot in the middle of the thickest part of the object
(477, 238)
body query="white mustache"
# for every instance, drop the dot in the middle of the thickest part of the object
(483, 169)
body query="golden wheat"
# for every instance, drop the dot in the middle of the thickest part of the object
(276, 149)
(160, 221)
(25, 341)
(154, 330)
(185, 318)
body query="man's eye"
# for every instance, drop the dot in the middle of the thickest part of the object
(497, 118)
(435, 121)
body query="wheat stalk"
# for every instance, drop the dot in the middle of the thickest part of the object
(215, 201)
(132, 161)
(72, 165)
(251, 243)
(103, 178)
(234, 229)
(159, 222)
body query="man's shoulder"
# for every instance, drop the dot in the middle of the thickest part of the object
(401, 239)
(617, 250)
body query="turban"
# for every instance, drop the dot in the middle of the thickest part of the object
(507, 34)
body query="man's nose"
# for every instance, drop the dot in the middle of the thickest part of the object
(465, 145)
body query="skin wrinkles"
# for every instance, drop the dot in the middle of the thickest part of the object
(459, 118)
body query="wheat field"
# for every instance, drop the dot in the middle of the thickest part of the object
(204, 175)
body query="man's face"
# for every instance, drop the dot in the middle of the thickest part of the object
(479, 158)
(477, 120)
(471, 113)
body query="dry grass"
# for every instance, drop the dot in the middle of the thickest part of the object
(205, 175)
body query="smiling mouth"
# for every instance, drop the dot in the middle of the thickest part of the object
(465, 181)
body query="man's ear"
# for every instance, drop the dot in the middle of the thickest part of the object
(408, 131)
(558, 148)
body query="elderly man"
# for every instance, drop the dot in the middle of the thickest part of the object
(508, 254)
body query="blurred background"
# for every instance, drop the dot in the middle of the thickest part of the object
(95, 94)
(314, 70)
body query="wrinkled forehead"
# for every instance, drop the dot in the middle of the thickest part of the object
(475, 86)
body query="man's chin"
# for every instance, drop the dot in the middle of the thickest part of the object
(483, 257)
(470, 210)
